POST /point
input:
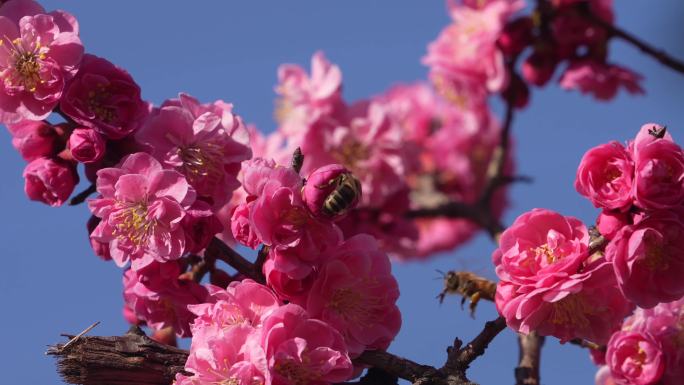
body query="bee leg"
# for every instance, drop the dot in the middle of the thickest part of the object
(441, 296)
(463, 300)
(474, 299)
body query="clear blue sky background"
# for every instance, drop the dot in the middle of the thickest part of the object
(52, 283)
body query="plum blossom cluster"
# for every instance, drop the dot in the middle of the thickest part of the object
(485, 39)
(409, 148)
(640, 189)
(326, 299)
(552, 282)
(647, 350)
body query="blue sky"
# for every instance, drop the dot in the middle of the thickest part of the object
(52, 282)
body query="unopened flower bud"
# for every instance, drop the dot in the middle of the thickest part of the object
(516, 36)
(50, 181)
(33, 139)
(538, 68)
(86, 145)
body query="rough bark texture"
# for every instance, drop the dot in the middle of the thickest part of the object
(130, 359)
(527, 372)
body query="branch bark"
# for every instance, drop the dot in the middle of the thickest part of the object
(527, 372)
(131, 359)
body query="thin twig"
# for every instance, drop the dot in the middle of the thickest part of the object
(460, 359)
(79, 335)
(83, 195)
(658, 54)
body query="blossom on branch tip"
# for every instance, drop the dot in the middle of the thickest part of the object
(39, 52)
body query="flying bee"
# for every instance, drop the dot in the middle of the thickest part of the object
(469, 286)
(343, 197)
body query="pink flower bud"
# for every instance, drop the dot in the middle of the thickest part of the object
(648, 260)
(50, 181)
(33, 139)
(241, 228)
(538, 68)
(604, 176)
(517, 92)
(635, 358)
(86, 145)
(659, 179)
(610, 222)
(331, 191)
(516, 36)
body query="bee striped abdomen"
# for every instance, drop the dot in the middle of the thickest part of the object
(343, 197)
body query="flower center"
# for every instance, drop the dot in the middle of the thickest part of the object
(132, 222)
(350, 153)
(297, 373)
(545, 251)
(353, 306)
(571, 310)
(26, 64)
(97, 103)
(202, 162)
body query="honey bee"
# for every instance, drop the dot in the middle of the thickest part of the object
(469, 286)
(346, 194)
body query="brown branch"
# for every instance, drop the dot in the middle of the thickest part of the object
(131, 359)
(459, 359)
(527, 372)
(136, 359)
(83, 195)
(223, 252)
(658, 54)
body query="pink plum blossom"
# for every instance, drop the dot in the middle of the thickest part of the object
(467, 48)
(549, 285)
(356, 293)
(142, 207)
(305, 99)
(648, 259)
(104, 97)
(659, 180)
(204, 142)
(86, 145)
(226, 327)
(40, 52)
(303, 350)
(586, 305)
(635, 358)
(600, 79)
(605, 176)
(50, 181)
(158, 297)
(33, 139)
(541, 245)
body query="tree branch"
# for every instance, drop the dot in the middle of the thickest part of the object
(459, 359)
(223, 252)
(83, 195)
(658, 54)
(527, 372)
(131, 359)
